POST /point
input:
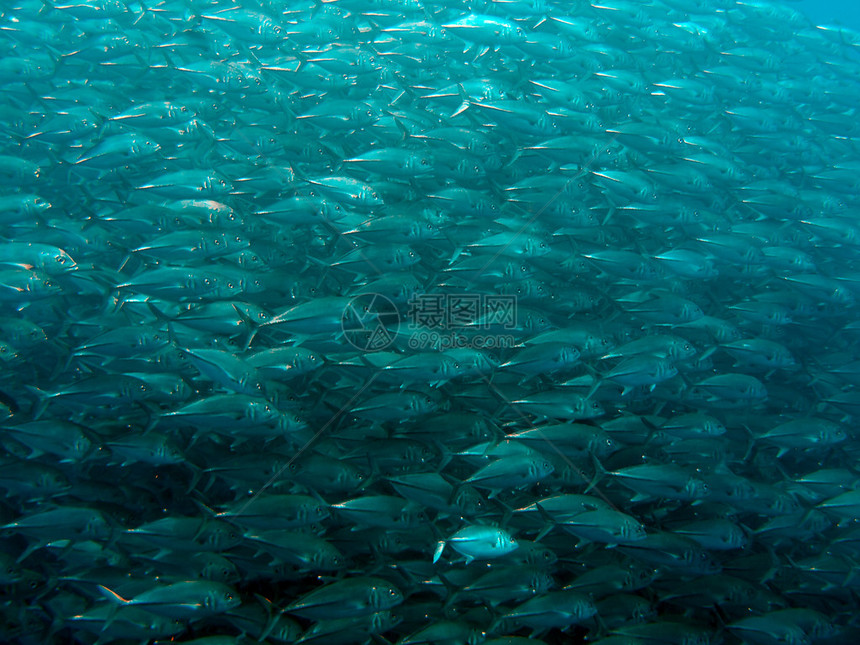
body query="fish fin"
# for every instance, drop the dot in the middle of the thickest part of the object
(496, 624)
(602, 629)
(33, 546)
(273, 613)
(207, 512)
(506, 518)
(113, 596)
(752, 440)
(609, 214)
(462, 108)
(374, 468)
(549, 522)
(403, 129)
(143, 12)
(446, 455)
(196, 474)
(595, 386)
(452, 590)
(720, 615)
(250, 325)
(651, 425)
(41, 403)
(9, 402)
(438, 552)
(707, 353)
(599, 473)
(776, 565)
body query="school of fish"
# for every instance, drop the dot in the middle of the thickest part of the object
(428, 322)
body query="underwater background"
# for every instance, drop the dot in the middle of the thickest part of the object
(429, 322)
(842, 12)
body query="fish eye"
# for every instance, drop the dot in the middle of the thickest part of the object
(391, 592)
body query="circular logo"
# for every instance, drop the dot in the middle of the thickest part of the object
(370, 322)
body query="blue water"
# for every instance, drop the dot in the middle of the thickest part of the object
(843, 12)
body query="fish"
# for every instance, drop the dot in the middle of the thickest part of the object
(408, 321)
(181, 599)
